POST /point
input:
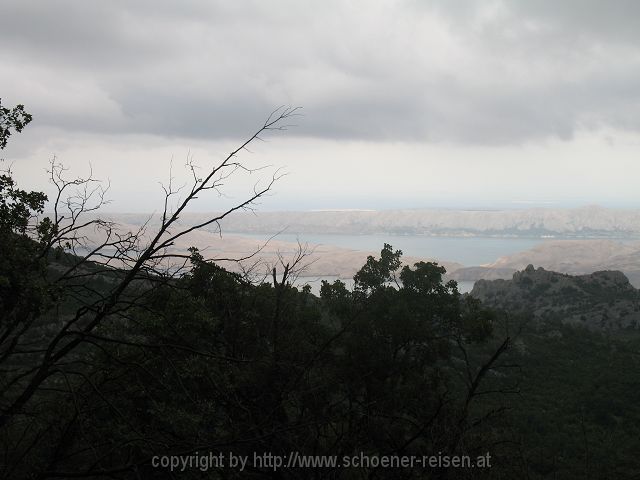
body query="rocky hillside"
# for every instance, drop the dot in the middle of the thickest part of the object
(601, 300)
(574, 257)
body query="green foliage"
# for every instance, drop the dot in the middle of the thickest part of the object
(17, 206)
(23, 287)
(211, 362)
(401, 365)
(12, 119)
(578, 412)
(377, 274)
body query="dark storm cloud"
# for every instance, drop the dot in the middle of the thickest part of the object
(463, 72)
(607, 21)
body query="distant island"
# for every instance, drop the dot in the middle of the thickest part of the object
(583, 222)
(566, 254)
(583, 240)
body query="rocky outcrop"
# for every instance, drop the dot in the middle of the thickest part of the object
(574, 257)
(470, 274)
(600, 300)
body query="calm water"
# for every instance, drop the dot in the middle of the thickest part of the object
(469, 251)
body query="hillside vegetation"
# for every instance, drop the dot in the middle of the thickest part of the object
(602, 300)
(119, 351)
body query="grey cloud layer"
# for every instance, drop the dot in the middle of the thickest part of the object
(464, 72)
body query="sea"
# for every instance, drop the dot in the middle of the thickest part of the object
(468, 251)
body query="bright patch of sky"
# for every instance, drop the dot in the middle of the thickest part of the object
(406, 104)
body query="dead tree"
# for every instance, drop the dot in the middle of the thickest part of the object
(85, 249)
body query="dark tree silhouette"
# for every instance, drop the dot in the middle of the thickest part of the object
(83, 270)
(115, 349)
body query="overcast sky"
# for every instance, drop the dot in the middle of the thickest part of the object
(455, 103)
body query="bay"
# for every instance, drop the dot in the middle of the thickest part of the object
(469, 251)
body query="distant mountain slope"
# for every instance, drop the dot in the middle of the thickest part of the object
(589, 221)
(601, 300)
(576, 256)
(565, 256)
